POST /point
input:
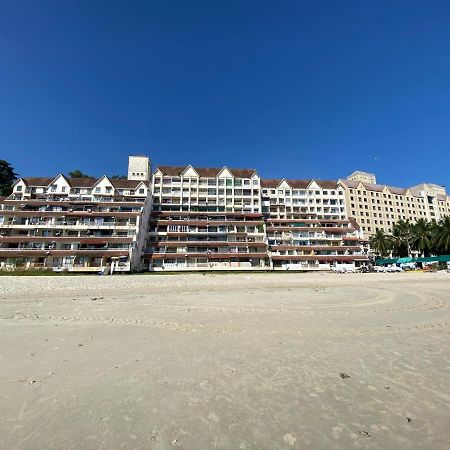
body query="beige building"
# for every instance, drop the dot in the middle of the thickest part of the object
(377, 206)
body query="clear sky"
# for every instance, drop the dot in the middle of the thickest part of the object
(293, 88)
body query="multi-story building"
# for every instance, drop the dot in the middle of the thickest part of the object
(76, 224)
(306, 225)
(188, 218)
(206, 218)
(377, 207)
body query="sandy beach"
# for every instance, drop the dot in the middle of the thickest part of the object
(225, 361)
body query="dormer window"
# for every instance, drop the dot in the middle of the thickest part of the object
(19, 188)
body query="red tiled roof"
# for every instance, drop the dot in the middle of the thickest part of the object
(127, 184)
(37, 181)
(297, 184)
(327, 184)
(81, 182)
(210, 172)
(350, 184)
(270, 182)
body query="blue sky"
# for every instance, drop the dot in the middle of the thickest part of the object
(293, 88)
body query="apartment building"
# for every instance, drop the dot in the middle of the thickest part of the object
(205, 218)
(191, 218)
(377, 207)
(77, 224)
(307, 227)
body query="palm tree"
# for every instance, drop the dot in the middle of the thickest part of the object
(421, 236)
(381, 243)
(401, 236)
(442, 236)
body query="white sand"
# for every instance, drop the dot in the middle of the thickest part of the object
(240, 361)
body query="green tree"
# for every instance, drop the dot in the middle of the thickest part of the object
(402, 234)
(381, 243)
(442, 236)
(78, 174)
(7, 177)
(118, 177)
(421, 236)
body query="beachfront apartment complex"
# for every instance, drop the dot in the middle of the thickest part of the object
(307, 227)
(377, 206)
(191, 218)
(206, 218)
(76, 224)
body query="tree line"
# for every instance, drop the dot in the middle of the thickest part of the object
(423, 237)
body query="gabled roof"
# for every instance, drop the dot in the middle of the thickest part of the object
(373, 187)
(58, 176)
(126, 184)
(349, 183)
(270, 182)
(397, 190)
(275, 182)
(207, 172)
(37, 181)
(297, 184)
(327, 184)
(82, 182)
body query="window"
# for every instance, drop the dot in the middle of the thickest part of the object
(19, 188)
(63, 189)
(53, 188)
(97, 190)
(141, 191)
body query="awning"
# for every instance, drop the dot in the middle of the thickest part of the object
(441, 258)
(405, 260)
(385, 261)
